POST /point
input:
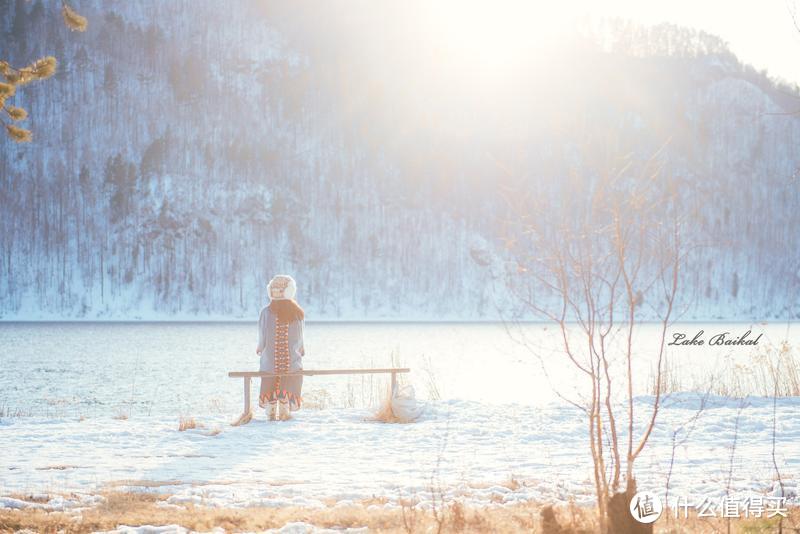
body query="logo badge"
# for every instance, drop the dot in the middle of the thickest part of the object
(646, 507)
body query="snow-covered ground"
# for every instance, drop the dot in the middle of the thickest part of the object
(465, 449)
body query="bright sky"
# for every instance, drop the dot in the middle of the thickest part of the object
(496, 33)
(759, 32)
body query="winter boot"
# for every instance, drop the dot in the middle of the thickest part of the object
(284, 411)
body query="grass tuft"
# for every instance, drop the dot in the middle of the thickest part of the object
(186, 423)
(6, 412)
(243, 419)
(385, 412)
(770, 371)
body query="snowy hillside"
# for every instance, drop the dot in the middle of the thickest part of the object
(175, 169)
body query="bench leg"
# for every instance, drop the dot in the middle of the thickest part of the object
(246, 395)
(247, 415)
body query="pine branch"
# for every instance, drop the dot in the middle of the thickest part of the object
(6, 90)
(20, 135)
(16, 114)
(41, 69)
(73, 20)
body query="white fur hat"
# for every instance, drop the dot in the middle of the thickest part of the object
(282, 287)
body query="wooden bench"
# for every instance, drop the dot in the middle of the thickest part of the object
(248, 375)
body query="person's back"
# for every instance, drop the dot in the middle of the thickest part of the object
(280, 344)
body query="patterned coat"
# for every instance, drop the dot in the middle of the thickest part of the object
(282, 350)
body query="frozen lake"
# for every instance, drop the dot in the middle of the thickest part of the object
(101, 369)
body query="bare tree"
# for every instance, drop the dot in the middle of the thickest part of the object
(597, 257)
(680, 436)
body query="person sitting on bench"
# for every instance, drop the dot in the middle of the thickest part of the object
(280, 345)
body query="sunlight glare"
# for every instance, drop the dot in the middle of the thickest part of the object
(491, 39)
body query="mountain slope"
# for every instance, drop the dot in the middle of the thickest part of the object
(182, 157)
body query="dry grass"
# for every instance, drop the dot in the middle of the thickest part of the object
(385, 414)
(190, 423)
(431, 381)
(243, 419)
(144, 509)
(140, 508)
(39, 498)
(772, 370)
(6, 412)
(186, 423)
(140, 483)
